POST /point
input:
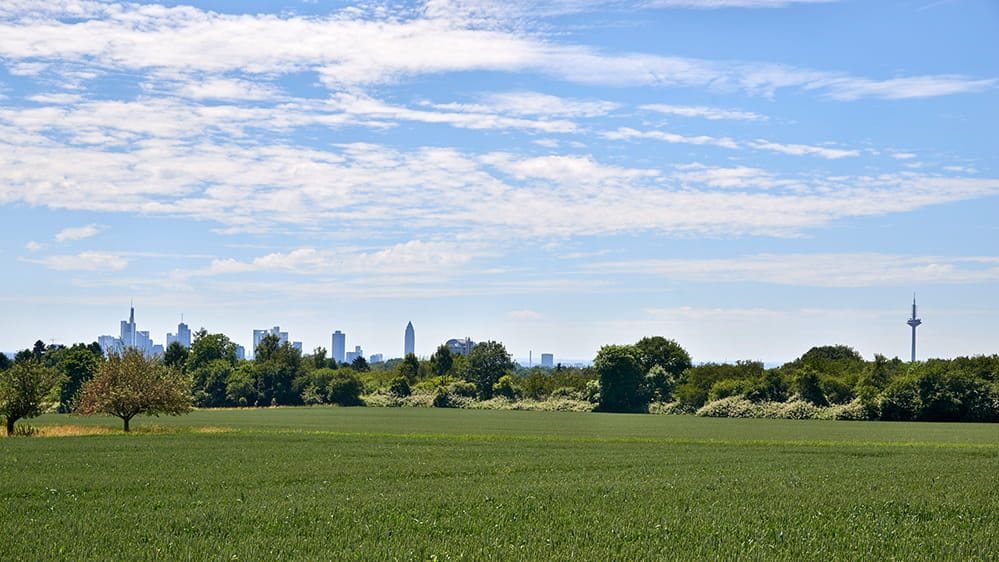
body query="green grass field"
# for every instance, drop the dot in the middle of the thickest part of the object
(409, 484)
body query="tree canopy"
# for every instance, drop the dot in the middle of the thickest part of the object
(24, 388)
(131, 384)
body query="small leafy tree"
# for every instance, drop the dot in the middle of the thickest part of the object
(23, 389)
(410, 368)
(487, 362)
(400, 387)
(131, 384)
(175, 356)
(360, 365)
(441, 362)
(620, 379)
(808, 386)
(659, 351)
(5, 362)
(78, 364)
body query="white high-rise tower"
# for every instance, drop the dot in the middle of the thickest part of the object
(914, 322)
(410, 343)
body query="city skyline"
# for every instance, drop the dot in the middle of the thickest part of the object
(557, 176)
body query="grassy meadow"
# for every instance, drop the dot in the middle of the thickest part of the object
(410, 484)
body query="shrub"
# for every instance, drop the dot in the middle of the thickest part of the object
(400, 387)
(668, 408)
(462, 388)
(506, 387)
(808, 387)
(728, 387)
(799, 410)
(345, 389)
(731, 407)
(836, 391)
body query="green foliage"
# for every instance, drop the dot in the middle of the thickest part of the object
(658, 351)
(506, 387)
(933, 392)
(175, 356)
(400, 387)
(209, 347)
(133, 384)
(620, 379)
(771, 387)
(78, 364)
(693, 392)
(808, 386)
(5, 362)
(729, 387)
(24, 388)
(345, 389)
(360, 365)
(410, 368)
(241, 386)
(487, 362)
(441, 363)
(276, 367)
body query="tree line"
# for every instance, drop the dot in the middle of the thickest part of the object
(655, 374)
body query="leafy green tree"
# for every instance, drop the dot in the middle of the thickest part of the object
(441, 363)
(506, 387)
(771, 387)
(24, 388)
(360, 365)
(175, 356)
(400, 387)
(657, 350)
(487, 362)
(38, 350)
(210, 362)
(620, 379)
(132, 384)
(809, 387)
(693, 392)
(410, 368)
(23, 355)
(318, 358)
(660, 383)
(5, 362)
(277, 366)
(241, 385)
(345, 389)
(78, 364)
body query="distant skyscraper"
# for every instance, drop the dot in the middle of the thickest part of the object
(410, 344)
(339, 346)
(130, 337)
(240, 352)
(914, 322)
(297, 345)
(351, 355)
(376, 358)
(547, 360)
(259, 335)
(183, 336)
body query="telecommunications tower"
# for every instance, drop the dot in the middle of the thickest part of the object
(914, 322)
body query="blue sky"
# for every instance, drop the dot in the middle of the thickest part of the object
(749, 177)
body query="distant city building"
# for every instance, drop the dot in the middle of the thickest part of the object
(130, 337)
(547, 360)
(351, 355)
(259, 335)
(240, 352)
(376, 358)
(183, 336)
(297, 345)
(339, 346)
(461, 346)
(410, 343)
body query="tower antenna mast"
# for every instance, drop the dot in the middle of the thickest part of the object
(915, 321)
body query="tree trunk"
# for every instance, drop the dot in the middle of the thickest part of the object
(126, 420)
(10, 425)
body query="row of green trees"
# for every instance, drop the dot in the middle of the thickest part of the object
(623, 378)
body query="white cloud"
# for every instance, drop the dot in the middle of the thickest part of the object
(79, 233)
(84, 261)
(357, 47)
(227, 89)
(33, 246)
(711, 113)
(903, 155)
(820, 270)
(627, 133)
(525, 315)
(803, 149)
(739, 177)
(413, 256)
(694, 313)
(56, 98)
(533, 103)
(716, 4)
